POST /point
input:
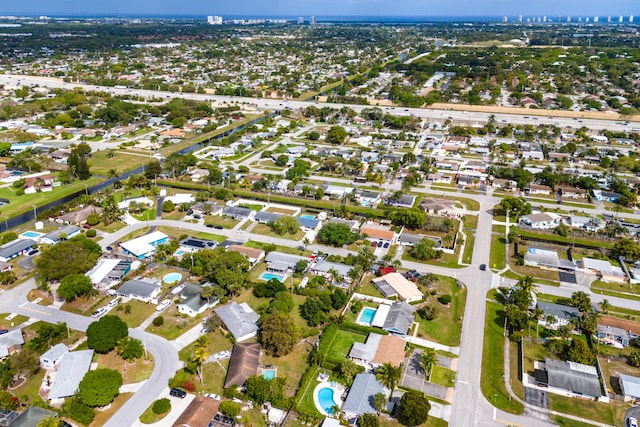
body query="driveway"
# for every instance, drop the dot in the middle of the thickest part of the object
(413, 378)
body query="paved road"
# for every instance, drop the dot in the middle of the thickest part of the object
(164, 355)
(270, 104)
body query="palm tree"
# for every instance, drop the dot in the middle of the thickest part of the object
(335, 275)
(200, 355)
(604, 305)
(379, 401)
(526, 285)
(389, 376)
(355, 274)
(536, 315)
(428, 359)
(51, 421)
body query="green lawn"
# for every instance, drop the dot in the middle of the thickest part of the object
(306, 404)
(17, 320)
(222, 221)
(492, 376)
(20, 204)
(565, 422)
(148, 417)
(140, 311)
(253, 206)
(498, 247)
(265, 230)
(174, 324)
(443, 376)
(100, 164)
(284, 249)
(447, 327)
(291, 366)
(470, 224)
(343, 342)
(147, 215)
(208, 236)
(611, 413)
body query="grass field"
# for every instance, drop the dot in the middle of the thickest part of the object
(470, 224)
(17, 320)
(103, 415)
(291, 366)
(149, 417)
(265, 230)
(492, 376)
(221, 221)
(611, 413)
(498, 248)
(443, 376)
(343, 342)
(174, 324)
(101, 164)
(132, 372)
(140, 311)
(447, 327)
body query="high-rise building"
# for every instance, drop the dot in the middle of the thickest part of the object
(609, 19)
(544, 18)
(568, 18)
(630, 18)
(519, 18)
(214, 20)
(596, 19)
(300, 20)
(620, 18)
(586, 19)
(505, 19)
(312, 20)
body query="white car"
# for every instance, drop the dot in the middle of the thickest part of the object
(114, 302)
(164, 304)
(212, 396)
(99, 312)
(177, 290)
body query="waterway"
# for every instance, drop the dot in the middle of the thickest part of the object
(30, 215)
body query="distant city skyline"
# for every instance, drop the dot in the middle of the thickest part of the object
(420, 8)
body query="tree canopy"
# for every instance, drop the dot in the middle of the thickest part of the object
(337, 234)
(103, 335)
(74, 286)
(414, 408)
(99, 387)
(336, 135)
(74, 256)
(278, 333)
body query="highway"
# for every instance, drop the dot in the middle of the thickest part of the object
(276, 104)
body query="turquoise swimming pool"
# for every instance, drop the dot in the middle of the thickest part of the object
(31, 234)
(326, 399)
(172, 278)
(366, 315)
(269, 276)
(307, 216)
(269, 374)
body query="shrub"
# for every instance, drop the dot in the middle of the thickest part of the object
(428, 312)
(230, 408)
(444, 299)
(78, 411)
(158, 321)
(161, 406)
(91, 233)
(93, 219)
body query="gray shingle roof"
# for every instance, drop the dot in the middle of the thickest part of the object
(326, 266)
(560, 311)
(280, 257)
(360, 398)
(137, 287)
(267, 216)
(574, 377)
(244, 362)
(56, 235)
(400, 317)
(239, 319)
(72, 369)
(55, 352)
(367, 350)
(12, 248)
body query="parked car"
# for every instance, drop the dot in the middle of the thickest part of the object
(386, 245)
(204, 330)
(483, 267)
(209, 225)
(3, 331)
(34, 252)
(218, 227)
(177, 289)
(197, 216)
(114, 302)
(99, 312)
(109, 248)
(632, 422)
(380, 244)
(164, 304)
(212, 396)
(178, 393)
(373, 244)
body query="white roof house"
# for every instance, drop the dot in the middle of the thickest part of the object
(11, 342)
(101, 269)
(73, 367)
(144, 246)
(52, 357)
(630, 387)
(395, 284)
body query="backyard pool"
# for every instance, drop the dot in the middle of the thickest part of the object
(268, 374)
(366, 315)
(269, 276)
(326, 399)
(31, 235)
(307, 216)
(172, 278)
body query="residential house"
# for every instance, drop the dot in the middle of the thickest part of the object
(440, 178)
(408, 239)
(194, 244)
(359, 401)
(200, 412)
(192, 303)
(206, 208)
(144, 290)
(11, 342)
(31, 417)
(604, 270)
(442, 207)
(568, 378)
(324, 268)
(405, 201)
(108, 272)
(353, 224)
(559, 157)
(336, 191)
(536, 189)
(630, 387)
(399, 318)
(378, 350)
(198, 174)
(556, 315)
(239, 319)
(377, 233)
(571, 192)
(253, 255)
(541, 221)
(278, 262)
(244, 363)
(59, 235)
(396, 285)
(52, 357)
(615, 337)
(237, 212)
(605, 196)
(72, 369)
(144, 246)
(264, 217)
(15, 248)
(591, 224)
(542, 258)
(532, 155)
(504, 184)
(368, 198)
(308, 224)
(631, 327)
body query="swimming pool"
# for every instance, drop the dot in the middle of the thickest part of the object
(172, 278)
(366, 315)
(179, 252)
(307, 216)
(326, 399)
(269, 276)
(31, 235)
(268, 374)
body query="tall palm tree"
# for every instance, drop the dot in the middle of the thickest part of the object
(526, 284)
(201, 354)
(604, 305)
(428, 359)
(51, 421)
(389, 376)
(335, 275)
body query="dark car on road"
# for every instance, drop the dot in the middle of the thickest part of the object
(483, 267)
(178, 393)
(3, 331)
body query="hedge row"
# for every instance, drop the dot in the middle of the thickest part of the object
(361, 329)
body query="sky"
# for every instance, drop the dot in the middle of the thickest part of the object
(550, 8)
